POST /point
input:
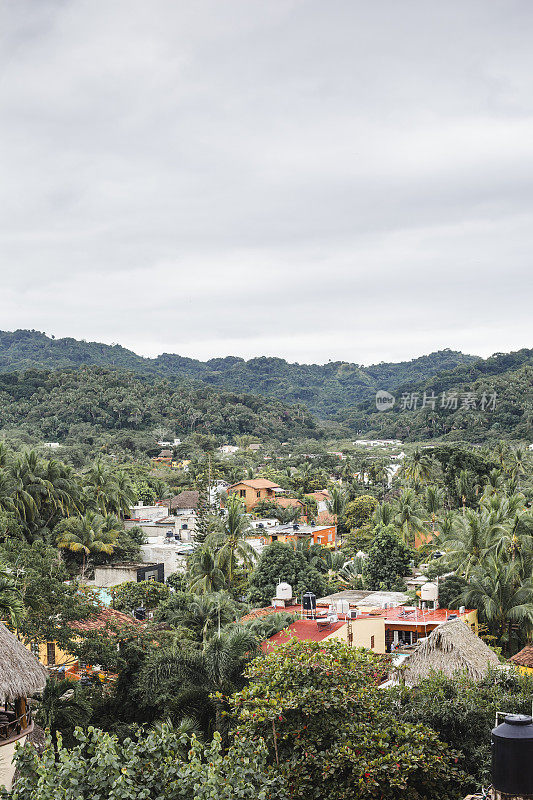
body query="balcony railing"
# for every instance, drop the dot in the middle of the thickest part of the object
(12, 726)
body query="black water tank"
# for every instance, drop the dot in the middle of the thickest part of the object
(512, 755)
(309, 602)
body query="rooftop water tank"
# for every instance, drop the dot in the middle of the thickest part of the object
(429, 591)
(512, 756)
(309, 602)
(283, 591)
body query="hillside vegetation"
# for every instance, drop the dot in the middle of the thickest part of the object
(509, 376)
(325, 389)
(97, 405)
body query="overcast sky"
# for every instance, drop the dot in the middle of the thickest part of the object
(314, 179)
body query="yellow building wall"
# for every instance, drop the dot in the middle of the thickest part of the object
(61, 658)
(362, 632)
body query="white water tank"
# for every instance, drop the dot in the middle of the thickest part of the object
(283, 591)
(429, 591)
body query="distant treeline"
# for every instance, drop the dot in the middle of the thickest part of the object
(325, 389)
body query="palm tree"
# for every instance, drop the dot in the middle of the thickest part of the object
(519, 457)
(336, 504)
(11, 603)
(383, 515)
(468, 541)
(92, 533)
(191, 677)
(202, 615)
(464, 486)
(125, 495)
(230, 544)
(101, 488)
(407, 515)
(504, 601)
(417, 468)
(433, 499)
(62, 707)
(204, 574)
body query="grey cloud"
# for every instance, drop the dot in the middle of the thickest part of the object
(313, 180)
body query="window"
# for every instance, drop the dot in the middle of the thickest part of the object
(242, 493)
(184, 526)
(50, 653)
(34, 647)
(372, 642)
(258, 494)
(330, 537)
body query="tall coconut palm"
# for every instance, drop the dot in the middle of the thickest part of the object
(468, 542)
(383, 515)
(89, 534)
(100, 488)
(336, 504)
(407, 515)
(192, 677)
(504, 601)
(230, 544)
(464, 487)
(417, 468)
(203, 573)
(124, 494)
(433, 500)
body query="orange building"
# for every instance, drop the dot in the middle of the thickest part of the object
(254, 490)
(324, 535)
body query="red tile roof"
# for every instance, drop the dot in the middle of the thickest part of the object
(256, 483)
(524, 658)
(306, 630)
(107, 616)
(288, 502)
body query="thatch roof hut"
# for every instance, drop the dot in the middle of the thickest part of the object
(452, 647)
(20, 673)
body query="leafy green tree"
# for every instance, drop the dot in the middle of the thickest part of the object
(281, 562)
(329, 730)
(388, 561)
(50, 602)
(146, 594)
(359, 511)
(162, 763)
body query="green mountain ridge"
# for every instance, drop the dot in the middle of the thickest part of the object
(508, 377)
(326, 389)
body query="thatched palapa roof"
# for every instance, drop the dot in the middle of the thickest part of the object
(450, 648)
(20, 672)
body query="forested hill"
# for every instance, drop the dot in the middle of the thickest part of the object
(325, 389)
(119, 411)
(494, 400)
